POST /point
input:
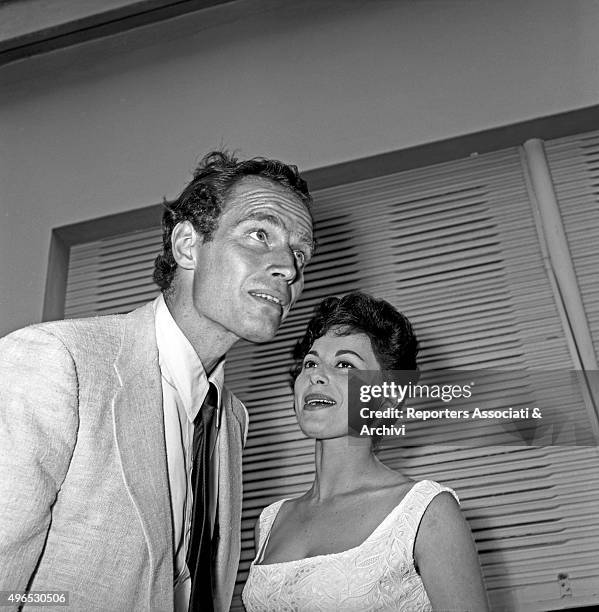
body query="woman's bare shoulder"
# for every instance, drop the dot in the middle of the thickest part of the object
(446, 557)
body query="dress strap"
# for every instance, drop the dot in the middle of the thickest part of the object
(415, 503)
(265, 523)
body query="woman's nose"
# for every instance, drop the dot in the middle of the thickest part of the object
(319, 377)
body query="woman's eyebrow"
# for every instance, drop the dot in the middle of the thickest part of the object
(345, 351)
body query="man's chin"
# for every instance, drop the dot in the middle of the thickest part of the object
(261, 334)
(262, 326)
(260, 337)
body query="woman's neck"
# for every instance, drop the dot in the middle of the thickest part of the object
(343, 465)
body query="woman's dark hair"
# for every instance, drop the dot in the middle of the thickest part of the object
(392, 338)
(202, 200)
(393, 341)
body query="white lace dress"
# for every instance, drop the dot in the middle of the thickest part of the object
(378, 574)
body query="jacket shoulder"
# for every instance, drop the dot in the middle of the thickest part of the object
(96, 335)
(67, 329)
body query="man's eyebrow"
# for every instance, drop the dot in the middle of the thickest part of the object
(308, 242)
(264, 216)
(278, 222)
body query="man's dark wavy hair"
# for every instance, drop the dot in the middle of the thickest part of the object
(202, 200)
(393, 340)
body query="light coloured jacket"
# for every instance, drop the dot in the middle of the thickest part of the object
(84, 493)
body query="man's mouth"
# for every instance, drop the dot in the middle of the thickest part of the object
(268, 297)
(316, 401)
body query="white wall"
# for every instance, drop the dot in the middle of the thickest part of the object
(116, 124)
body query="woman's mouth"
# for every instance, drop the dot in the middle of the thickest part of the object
(318, 401)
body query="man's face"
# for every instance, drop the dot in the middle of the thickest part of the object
(252, 271)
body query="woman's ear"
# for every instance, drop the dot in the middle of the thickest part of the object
(183, 240)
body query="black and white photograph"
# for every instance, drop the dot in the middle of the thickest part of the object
(299, 305)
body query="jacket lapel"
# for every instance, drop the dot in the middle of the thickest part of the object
(229, 449)
(139, 432)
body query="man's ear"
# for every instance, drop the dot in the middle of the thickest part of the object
(183, 240)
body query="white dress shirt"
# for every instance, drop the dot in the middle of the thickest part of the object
(184, 387)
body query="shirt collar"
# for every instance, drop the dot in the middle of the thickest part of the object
(180, 365)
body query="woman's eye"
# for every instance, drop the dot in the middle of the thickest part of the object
(259, 235)
(309, 363)
(345, 365)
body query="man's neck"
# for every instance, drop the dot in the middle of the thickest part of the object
(210, 341)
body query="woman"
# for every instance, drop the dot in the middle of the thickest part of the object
(363, 537)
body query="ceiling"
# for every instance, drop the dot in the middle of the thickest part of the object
(31, 27)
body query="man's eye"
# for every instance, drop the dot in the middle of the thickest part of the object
(259, 235)
(300, 256)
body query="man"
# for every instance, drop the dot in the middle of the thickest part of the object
(111, 467)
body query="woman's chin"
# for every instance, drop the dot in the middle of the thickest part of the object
(323, 436)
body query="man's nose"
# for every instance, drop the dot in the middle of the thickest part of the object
(283, 264)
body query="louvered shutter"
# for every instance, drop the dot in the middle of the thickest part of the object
(574, 164)
(454, 246)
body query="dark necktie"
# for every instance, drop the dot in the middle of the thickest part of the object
(199, 551)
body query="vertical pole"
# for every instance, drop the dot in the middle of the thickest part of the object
(561, 269)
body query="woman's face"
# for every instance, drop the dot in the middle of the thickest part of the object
(320, 390)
